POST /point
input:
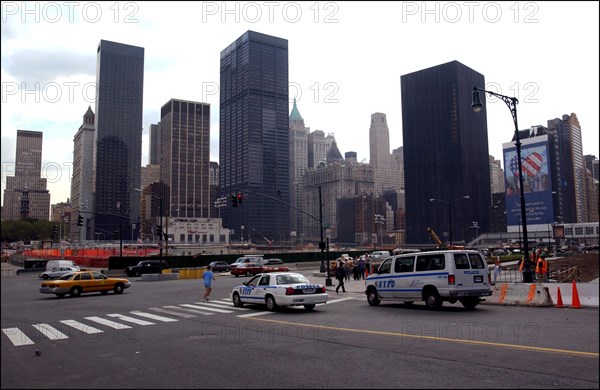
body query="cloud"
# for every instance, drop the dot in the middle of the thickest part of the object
(33, 66)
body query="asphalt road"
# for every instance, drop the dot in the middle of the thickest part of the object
(343, 344)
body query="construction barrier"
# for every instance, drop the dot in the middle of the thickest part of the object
(522, 294)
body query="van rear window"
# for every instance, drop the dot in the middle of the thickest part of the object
(461, 260)
(476, 261)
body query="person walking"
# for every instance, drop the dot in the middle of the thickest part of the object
(497, 268)
(208, 277)
(348, 268)
(340, 275)
(361, 267)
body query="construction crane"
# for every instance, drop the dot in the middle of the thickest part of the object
(439, 243)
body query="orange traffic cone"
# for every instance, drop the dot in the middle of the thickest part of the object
(559, 304)
(576, 304)
(366, 272)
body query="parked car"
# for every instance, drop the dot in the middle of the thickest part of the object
(53, 265)
(279, 289)
(248, 259)
(220, 266)
(147, 267)
(273, 262)
(247, 269)
(58, 272)
(81, 282)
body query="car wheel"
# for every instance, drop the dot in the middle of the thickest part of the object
(237, 301)
(309, 307)
(433, 299)
(248, 273)
(75, 292)
(136, 274)
(60, 295)
(45, 277)
(271, 304)
(469, 303)
(373, 297)
(118, 288)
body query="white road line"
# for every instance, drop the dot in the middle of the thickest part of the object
(17, 337)
(340, 300)
(153, 316)
(259, 313)
(205, 308)
(109, 323)
(174, 313)
(51, 332)
(190, 310)
(131, 319)
(81, 327)
(220, 305)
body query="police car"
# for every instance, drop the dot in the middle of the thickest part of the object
(279, 289)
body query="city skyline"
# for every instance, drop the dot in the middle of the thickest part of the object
(339, 74)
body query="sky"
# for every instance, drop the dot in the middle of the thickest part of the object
(345, 63)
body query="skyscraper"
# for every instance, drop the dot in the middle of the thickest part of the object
(118, 136)
(445, 153)
(81, 183)
(379, 146)
(185, 157)
(298, 165)
(154, 155)
(25, 195)
(254, 136)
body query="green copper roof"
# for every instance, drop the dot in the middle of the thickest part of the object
(295, 115)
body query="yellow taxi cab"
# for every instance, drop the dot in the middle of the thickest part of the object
(81, 282)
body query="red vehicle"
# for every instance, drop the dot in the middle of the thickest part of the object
(249, 269)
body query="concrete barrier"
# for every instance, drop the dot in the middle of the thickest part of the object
(522, 294)
(159, 277)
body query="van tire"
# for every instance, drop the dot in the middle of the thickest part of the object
(373, 297)
(432, 299)
(469, 303)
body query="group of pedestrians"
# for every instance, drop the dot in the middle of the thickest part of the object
(344, 268)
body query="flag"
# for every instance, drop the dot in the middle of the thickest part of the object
(532, 164)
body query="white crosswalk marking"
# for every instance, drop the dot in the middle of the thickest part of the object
(219, 304)
(112, 324)
(258, 313)
(340, 300)
(51, 332)
(153, 316)
(131, 319)
(17, 337)
(82, 327)
(174, 313)
(203, 307)
(190, 310)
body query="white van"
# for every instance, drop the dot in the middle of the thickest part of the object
(432, 277)
(53, 265)
(379, 254)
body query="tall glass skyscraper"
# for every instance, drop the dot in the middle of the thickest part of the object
(118, 137)
(445, 154)
(254, 137)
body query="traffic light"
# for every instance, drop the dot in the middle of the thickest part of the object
(80, 220)
(234, 201)
(54, 231)
(116, 235)
(159, 231)
(239, 198)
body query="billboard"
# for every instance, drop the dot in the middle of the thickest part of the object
(537, 183)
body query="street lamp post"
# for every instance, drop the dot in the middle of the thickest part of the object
(160, 225)
(449, 204)
(379, 220)
(512, 102)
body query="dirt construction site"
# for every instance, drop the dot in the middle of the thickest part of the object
(586, 265)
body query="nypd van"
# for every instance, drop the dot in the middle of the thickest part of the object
(432, 277)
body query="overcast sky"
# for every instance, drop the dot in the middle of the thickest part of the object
(345, 63)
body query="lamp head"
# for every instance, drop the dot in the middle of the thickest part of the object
(476, 104)
(431, 199)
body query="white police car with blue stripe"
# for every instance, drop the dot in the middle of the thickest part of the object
(276, 289)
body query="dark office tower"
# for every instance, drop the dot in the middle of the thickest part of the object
(185, 157)
(118, 137)
(254, 137)
(445, 153)
(154, 155)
